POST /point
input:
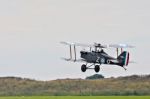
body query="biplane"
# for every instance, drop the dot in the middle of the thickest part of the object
(96, 56)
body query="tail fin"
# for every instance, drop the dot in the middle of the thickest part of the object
(123, 58)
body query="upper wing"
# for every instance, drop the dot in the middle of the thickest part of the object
(85, 45)
(121, 46)
(67, 43)
(99, 45)
(77, 44)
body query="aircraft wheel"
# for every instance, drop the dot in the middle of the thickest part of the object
(83, 68)
(97, 68)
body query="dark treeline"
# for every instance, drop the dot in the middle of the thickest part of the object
(129, 85)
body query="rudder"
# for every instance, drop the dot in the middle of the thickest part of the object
(123, 58)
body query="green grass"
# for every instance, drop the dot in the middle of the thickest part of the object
(76, 97)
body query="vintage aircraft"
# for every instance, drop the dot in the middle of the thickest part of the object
(98, 56)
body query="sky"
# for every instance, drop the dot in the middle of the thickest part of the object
(30, 32)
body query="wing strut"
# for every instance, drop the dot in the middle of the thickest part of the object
(74, 53)
(117, 52)
(117, 49)
(121, 50)
(70, 52)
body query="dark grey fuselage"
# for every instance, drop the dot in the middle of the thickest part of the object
(99, 57)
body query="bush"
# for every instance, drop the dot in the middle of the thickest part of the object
(95, 76)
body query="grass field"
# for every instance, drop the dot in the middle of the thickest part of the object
(77, 97)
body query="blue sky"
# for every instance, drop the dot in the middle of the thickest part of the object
(30, 32)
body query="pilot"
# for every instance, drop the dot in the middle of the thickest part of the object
(102, 51)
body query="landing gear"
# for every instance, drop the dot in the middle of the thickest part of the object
(85, 67)
(97, 68)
